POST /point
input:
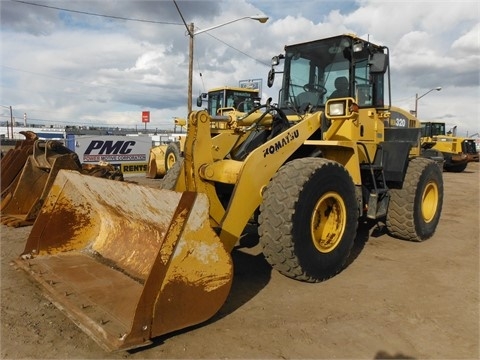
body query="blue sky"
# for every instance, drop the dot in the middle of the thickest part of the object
(62, 67)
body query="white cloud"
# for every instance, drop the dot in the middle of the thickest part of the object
(70, 67)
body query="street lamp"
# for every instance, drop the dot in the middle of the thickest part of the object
(191, 32)
(438, 88)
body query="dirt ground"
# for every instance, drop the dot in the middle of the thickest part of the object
(396, 299)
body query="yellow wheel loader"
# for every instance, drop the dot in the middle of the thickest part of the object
(457, 151)
(128, 263)
(220, 101)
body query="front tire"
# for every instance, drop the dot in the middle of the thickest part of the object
(308, 219)
(414, 210)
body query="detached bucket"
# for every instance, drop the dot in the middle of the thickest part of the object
(125, 262)
(14, 161)
(21, 207)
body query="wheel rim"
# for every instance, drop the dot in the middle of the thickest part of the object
(170, 160)
(429, 202)
(328, 222)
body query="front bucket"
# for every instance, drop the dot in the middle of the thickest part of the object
(126, 262)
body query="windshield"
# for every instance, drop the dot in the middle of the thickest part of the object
(433, 129)
(238, 99)
(318, 71)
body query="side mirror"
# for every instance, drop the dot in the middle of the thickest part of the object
(199, 101)
(271, 77)
(378, 63)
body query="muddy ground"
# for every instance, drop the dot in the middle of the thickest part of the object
(396, 299)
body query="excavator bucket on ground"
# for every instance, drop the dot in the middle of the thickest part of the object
(14, 161)
(21, 205)
(126, 262)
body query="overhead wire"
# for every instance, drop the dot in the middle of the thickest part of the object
(132, 19)
(117, 18)
(240, 51)
(95, 14)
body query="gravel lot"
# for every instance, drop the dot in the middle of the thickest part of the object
(396, 299)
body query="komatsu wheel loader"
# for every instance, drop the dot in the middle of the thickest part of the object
(128, 263)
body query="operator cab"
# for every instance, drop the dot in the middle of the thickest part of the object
(430, 129)
(229, 98)
(337, 67)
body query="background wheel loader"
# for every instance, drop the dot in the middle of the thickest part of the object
(219, 101)
(128, 263)
(457, 151)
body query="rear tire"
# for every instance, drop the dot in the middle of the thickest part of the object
(308, 219)
(414, 210)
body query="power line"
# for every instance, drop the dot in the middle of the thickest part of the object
(132, 19)
(240, 51)
(95, 14)
(116, 18)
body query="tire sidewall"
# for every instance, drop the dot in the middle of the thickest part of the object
(430, 173)
(325, 179)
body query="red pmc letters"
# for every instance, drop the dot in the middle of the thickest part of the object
(108, 147)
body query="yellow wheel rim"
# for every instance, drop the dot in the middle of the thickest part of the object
(429, 201)
(328, 222)
(170, 160)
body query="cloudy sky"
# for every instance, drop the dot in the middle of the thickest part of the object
(103, 62)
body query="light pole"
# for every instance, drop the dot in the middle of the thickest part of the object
(438, 88)
(192, 33)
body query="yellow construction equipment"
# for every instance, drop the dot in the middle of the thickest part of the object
(220, 101)
(128, 263)
(457, 151)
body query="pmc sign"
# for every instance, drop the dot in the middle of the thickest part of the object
(145, 116)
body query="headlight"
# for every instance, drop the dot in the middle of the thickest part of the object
(336, 109)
